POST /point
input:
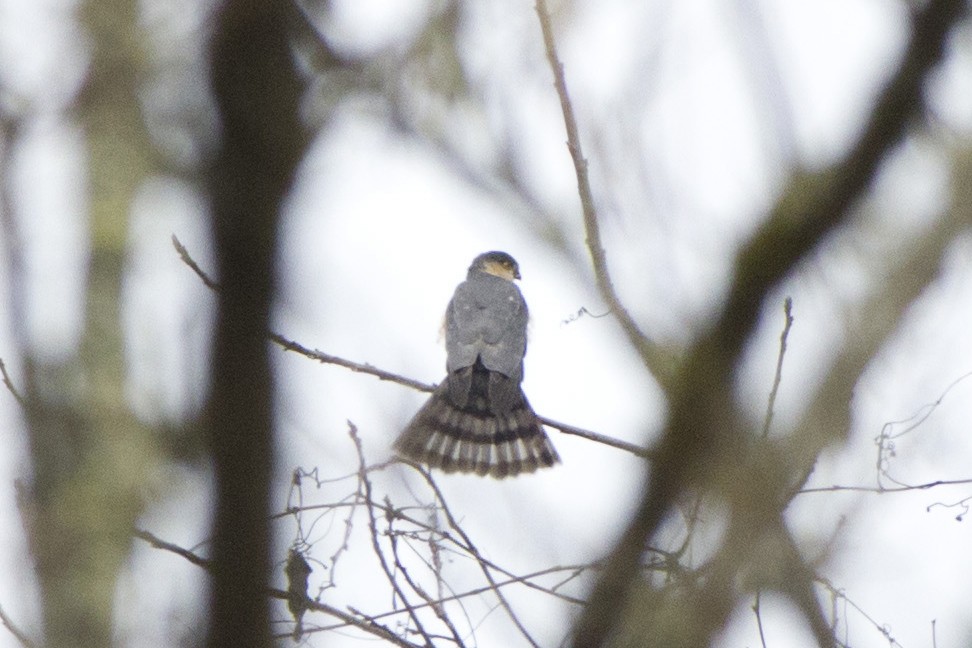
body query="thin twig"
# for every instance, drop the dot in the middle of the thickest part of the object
(463, 546)
(158, 543)
(881, 628)
(8, 383)
(430, 601)
(759, 621)
(884, 441)
(364, 622)
(879, 490)
(189, 261)
(477, 555)
(656, 362)
(574, 571)
(525, 580)
(297, 511)
(777, 378)
(597, 437)
(18, 634)
(365, 484)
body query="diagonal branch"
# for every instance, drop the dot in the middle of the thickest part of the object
(381, 374)
(828, 417)
(817, 204)
(357, 367)
(369, 626)
(704, 422)
(365, 623)
(658, 363)
(159, 543)
(364, 484)
(778, 376)
(8, 383)
(18, 634)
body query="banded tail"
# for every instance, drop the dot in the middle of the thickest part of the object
(474, 437)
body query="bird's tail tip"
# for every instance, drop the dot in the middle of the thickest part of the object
(455, 440)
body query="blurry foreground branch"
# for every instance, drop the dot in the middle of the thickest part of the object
(705, 439)
(257, 92)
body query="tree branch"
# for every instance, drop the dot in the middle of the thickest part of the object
(18, 634)
(483, 563)
(827, 419)
(365, 484)
(8, 383)
(657, 362)
(158, 543)
(778, 376)
(704, 427)
(381, 374)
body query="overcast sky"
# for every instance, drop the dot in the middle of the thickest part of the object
(686, 111)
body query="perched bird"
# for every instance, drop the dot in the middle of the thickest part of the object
(478, 420)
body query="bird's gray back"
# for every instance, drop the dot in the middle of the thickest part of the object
(487, 318)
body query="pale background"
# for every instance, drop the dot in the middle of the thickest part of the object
(686, 119)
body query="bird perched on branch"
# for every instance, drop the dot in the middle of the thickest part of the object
(478, 420)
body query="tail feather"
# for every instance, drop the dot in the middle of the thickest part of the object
(473, 439)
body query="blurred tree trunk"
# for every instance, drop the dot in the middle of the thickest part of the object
(257, 92)
(89, 452)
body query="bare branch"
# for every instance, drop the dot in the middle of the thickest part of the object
(704, 422)
(572, 569)
(566, 428)
(309, 604)
(158, 543)
(8, 383)
(365, 483)
(381, 374)
(357, 367)
(657, 362)
(759, 620)
(18, 634)
(881, 628)
(367, 624)
(208, 281)
(888, 435)
(431, 602)
(778, 377)
(880, 490)
(483, 563)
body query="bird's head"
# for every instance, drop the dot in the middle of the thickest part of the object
(500, 264)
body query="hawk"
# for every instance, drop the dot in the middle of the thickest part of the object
(478, 419)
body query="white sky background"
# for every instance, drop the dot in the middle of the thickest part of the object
(380, 229)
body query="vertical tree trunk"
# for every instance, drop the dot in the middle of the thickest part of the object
(257, 92)
(89, 452)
